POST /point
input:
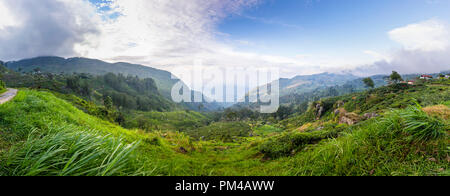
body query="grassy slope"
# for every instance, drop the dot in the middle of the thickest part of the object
(377, 147)
(396, 144)
(171, 121)
(379, 100)
(156, 154)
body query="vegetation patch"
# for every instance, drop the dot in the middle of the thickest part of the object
(222, 131)
(290, 143)
(66, 151)
(440, 111)
(404, 142)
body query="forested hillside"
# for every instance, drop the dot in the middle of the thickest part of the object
(130, 93)
(58, 65)
(93, 67)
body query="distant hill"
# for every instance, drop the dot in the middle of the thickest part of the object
(58, 65)
(308, 83)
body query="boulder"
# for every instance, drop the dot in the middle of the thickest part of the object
(349, 118)
(319, 110)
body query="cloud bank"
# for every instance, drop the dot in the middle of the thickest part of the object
(424, 48)
(45, 27)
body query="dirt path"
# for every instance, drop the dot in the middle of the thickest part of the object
(8, 95)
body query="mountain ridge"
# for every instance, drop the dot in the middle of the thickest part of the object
(60, 65)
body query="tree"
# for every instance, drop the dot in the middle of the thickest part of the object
(73, 82)
(201, 107)
(85, 89)
(120, 118)
(2, 85)
(395, 77)
(369, 82)
(283, 112)
(108, 102)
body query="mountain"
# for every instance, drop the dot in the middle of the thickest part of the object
(308, 83)
(58, 65)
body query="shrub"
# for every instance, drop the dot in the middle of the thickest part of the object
(286, 144)
(222, 131)
(415, 123)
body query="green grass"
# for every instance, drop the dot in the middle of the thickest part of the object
(54, 138)
(165, 121)
(267, 130)
(291, 142)
(67, 152)
(45, 135)
(392, 145)
(50, 127)
(221, 131)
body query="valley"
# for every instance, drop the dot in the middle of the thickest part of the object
(117, 124)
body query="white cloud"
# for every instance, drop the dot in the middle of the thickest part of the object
(45, 27)
(7, 19)
(169, 32)
(158, 33)
(425, 48)
(431, 35)
(174, 33)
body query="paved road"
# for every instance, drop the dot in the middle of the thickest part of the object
(8, 95)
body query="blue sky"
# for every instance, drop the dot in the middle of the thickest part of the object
(292, 27)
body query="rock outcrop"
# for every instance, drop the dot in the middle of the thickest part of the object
(319, 110)
(349, 118)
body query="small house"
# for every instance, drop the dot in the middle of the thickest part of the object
(426, 77)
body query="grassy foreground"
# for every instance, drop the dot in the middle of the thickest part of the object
(41, 134)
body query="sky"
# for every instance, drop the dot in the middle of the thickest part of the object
(362, 37)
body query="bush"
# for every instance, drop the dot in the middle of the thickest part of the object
(415, 123)
(287, 144)
(222, 131)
